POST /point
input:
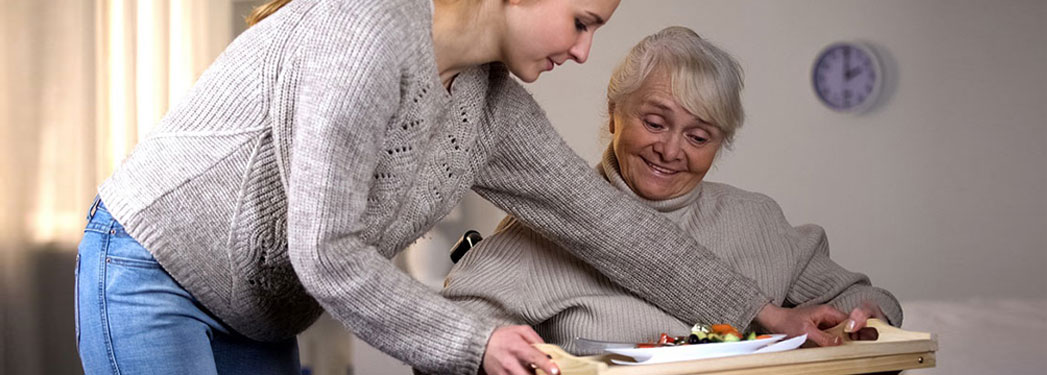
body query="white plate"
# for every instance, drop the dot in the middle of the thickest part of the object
(783, 345)
(646, 356)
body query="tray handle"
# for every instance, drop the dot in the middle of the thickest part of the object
(570, 364)
(885, 332)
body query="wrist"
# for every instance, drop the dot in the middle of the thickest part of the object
(769, 316)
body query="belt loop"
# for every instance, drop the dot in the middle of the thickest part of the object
(94, 208)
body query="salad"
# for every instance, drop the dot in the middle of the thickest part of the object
(702, 334)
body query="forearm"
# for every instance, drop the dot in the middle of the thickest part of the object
(391, 311)
(823, 281)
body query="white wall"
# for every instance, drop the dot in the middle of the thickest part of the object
(938, 193)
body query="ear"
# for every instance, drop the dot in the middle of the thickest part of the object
(610, 116)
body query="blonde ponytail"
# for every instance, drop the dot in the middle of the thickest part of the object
(261, 12)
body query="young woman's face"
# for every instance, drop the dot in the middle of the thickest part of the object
(544, 33)
(663, 150)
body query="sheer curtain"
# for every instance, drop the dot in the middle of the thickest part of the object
(80, 81)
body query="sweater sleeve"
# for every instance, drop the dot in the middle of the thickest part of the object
(348, 93)
(537, 178)
(821, 280)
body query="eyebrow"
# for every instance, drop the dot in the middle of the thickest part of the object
(660, 104)
(657, 103)
(599, 20)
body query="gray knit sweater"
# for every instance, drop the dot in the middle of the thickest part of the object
(518, 277)
(321, 143)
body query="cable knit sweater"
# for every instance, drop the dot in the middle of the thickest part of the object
(518, 277)
(321, 143)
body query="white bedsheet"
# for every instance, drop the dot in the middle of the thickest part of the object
(983, 336)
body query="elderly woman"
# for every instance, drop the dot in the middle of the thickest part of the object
(673, 104)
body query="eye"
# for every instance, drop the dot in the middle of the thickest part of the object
(580, 26)
(699, 140)
(653, 125)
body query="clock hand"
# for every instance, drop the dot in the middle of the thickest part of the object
(846, 64)
(851, 73)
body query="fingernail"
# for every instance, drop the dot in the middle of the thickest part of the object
(850, 326)
(836, 341)
(556, 371)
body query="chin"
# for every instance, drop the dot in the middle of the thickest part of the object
(651, 194)
(525, 75)
(528, 78)
(658, 193)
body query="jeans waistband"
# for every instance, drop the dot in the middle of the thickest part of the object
(100, 220)
(94, 207)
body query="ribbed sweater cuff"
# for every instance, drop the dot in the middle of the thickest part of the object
(861, 293)
(475, 349)
(751, 309)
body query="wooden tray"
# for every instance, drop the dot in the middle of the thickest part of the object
(895, 349)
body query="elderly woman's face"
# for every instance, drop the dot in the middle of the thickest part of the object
(663, 150)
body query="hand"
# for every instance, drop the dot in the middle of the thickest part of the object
(858, 318)
(800, 320)
(510, 350)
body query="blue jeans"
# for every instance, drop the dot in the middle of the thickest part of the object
(133, 318)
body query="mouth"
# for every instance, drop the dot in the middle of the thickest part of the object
(657, 169)
(551, 64)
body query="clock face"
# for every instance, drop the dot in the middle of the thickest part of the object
(846, 77)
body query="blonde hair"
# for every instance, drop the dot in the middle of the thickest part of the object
(262, 11)
(705, 80)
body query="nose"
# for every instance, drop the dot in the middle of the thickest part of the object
(668, 148)
(580, 50)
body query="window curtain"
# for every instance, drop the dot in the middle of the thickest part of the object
(80, 82)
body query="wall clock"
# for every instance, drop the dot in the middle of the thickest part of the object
(847, 77)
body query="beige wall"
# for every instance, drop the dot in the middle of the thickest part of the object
(938, 193)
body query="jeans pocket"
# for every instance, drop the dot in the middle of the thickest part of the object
(131, 262)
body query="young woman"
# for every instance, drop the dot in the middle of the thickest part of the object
(325, 139)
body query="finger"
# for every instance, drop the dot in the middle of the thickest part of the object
(821, 338)
(874, 309)
(547, 365)
(827, 316)
(516, 364)
(857, 320)
(516, 368)
(536, 359)
(530, 335)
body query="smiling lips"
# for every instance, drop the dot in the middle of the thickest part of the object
(659, 169)
(552, 63)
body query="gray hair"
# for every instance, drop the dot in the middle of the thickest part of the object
(706, 81)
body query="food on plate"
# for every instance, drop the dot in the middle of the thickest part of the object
(702, 334)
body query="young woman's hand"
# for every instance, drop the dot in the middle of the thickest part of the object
(510, 350)
(800, 320)
(857, 319)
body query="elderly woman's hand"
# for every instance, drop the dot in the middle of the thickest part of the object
(510, 350)
(800, 320)
(858, 317)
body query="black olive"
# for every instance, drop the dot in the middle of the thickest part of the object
(693, 339)
(704, 341)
